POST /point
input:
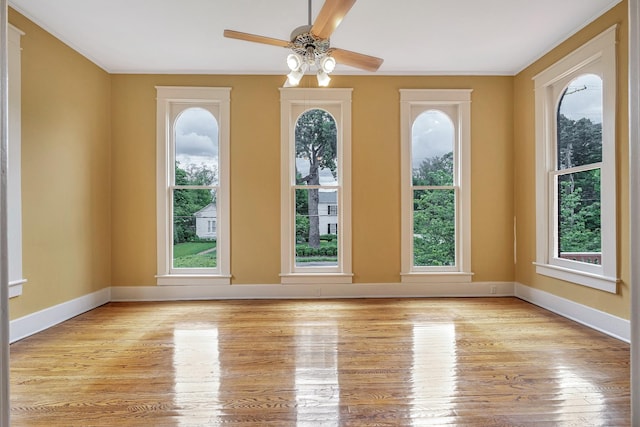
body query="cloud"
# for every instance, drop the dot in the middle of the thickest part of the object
(432, 135)
(196, 134)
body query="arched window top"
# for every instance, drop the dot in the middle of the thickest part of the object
(196, 147)
(579, 126)
(432, 146)
(316, 148)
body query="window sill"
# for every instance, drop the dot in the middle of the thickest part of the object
(15, 288)
(316, 278)
(436, 277)
(193, 280)
(607, 284)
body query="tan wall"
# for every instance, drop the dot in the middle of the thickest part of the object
(255, 175)
(89, 174)
(524, 163)
(65, 173)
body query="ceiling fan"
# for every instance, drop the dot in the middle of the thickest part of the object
(310, 45)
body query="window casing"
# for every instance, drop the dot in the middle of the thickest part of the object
(203, 176)
(14, 177)
(422, 196)
(589, 69)
(336, 106)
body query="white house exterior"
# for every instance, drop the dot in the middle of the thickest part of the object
(206, 222)
(328, 212)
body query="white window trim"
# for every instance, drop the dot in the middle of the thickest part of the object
(198, 96)
(597, 54)
(14, 177)
(338, 103)
(413, 101)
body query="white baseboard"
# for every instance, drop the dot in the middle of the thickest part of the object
(359, 290)
(28, 325)
(611, 325)
(595, 319)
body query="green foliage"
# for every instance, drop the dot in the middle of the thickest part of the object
(187, 202)
(329, 249)
(579, 143)
(434, 213)
(579, 222)
(434, 228)
(302, 228)
(436, 171)
(316, 141)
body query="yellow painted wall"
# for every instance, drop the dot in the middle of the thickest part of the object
(255, 174)
(524, 172)
(89, 153)
(66, 173)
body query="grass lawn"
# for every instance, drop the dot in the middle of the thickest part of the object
(194, 255)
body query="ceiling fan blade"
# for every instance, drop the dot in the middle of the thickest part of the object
(330, 17)
(357, 60)
(255, 38)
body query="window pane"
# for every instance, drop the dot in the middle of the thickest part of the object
(196, 145)
(316, 228)
(433, 228)
(579, 216)
(316, 149)
(580, 123)
(194, 229)
(432, 137)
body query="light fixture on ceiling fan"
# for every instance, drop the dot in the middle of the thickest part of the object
(311, 47)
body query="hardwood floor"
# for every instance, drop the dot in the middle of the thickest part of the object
(368, 362)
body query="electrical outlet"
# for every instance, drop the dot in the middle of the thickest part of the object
(493, 289)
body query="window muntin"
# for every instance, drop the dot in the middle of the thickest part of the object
(575, 166)
(436, 184)
(193, 186)
(326, 112)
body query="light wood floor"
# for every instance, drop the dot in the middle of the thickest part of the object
(369, 362)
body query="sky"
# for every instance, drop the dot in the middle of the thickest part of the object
(583, 98)
(196, 138)
(432, 135)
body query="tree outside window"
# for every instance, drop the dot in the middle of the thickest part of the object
(316, 162)
(579, 164)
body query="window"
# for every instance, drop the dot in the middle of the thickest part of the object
(14, 185)
(193, 186)
(316, 176)
(435, 193)
(575, 166)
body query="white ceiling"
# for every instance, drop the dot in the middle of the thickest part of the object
(498, 37)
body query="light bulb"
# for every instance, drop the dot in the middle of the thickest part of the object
(294, 77)
(294, 61)
(323, 78)
(328, 64)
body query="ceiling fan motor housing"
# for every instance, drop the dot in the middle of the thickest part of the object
(305, 44)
